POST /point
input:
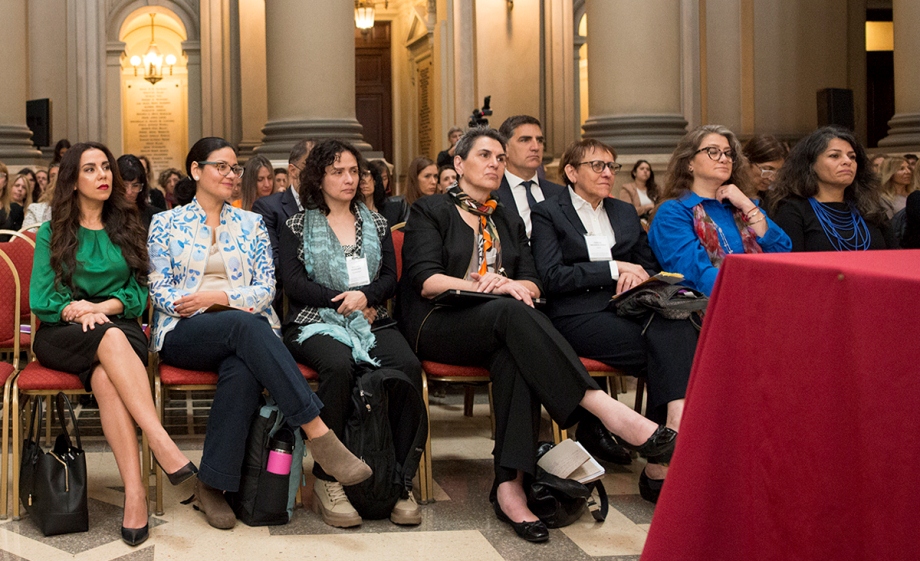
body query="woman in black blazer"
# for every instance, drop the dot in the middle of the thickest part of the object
(465, 240)
(588, 247)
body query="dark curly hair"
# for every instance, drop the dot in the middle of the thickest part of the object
(120, 218)
(323, 155)
(797, 177)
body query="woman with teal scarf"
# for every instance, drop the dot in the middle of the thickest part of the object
(338, 269)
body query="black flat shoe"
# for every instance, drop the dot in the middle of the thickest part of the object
(135, 536)
(658, 448)
(597, 440)
(534, 532)
(650, 488)
(182, 474)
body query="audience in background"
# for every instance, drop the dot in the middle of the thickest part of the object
(896, 178)
(394, 208)
(877, 160)
(258, 180)
(447, 176)
(281, 179)
(136, 187)
(421, 179)
(165, 196)
(14, 200)
(765, 155)
(60, 148)
(642, 192)
(446, 157)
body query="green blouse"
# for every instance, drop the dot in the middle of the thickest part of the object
(101, 274)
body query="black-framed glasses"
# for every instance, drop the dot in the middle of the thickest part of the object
(224, 168)
(715, 154)
(599, 165)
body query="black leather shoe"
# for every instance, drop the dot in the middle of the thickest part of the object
(597, 440)
(534, 532)
(183, 473)
(135, 536)
(650, 488)
(658, 448)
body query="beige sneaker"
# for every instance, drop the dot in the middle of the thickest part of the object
(406, 512)
(329, 500)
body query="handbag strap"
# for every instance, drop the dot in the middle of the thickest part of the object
(36, 408)
(598, 511)
(61, 400)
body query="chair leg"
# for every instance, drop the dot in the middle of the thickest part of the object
(158, 480)
(4, 461)
(491, 411)
(469, 397)
(640, 391)
(17, 445)
(425, 478)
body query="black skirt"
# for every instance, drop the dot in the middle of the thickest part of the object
(65, 347)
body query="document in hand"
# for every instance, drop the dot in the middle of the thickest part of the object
(570, 460)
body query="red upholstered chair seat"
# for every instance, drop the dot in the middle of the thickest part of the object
(35, 377)
(174, 376)
(592, 365)
(5, 370)
(441, 370)
(308, 373)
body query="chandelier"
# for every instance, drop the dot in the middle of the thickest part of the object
(364, 14)
(152, 60)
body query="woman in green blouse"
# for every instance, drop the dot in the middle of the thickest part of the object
(88, 288)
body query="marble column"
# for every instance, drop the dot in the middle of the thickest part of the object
(86, 71)
(311, 74)
(904, 127)
(634, 74)
(15, 144)
(220, 70)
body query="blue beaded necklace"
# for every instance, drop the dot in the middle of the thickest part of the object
(833, 221)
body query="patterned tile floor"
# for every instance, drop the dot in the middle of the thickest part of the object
(458, 525)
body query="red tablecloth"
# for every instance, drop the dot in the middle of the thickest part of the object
(800, 437)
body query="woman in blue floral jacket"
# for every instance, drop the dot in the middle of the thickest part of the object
(212, 282)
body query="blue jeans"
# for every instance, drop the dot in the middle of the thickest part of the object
(247, 356)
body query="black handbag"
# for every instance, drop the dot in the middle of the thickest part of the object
(559, 502)
(52, 485)
(671, 301)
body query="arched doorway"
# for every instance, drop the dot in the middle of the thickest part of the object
(154, 105)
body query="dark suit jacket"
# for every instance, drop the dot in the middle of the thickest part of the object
(506, 197)
(574, 284)
(437, 240)
(275, 210)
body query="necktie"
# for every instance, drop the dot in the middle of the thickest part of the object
(531, 201)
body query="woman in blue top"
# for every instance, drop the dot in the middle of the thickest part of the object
(705, 214)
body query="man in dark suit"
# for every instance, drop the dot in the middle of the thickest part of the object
(278, 207)
(520, 189)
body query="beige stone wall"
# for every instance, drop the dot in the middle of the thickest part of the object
(254, 102)
(47, 29)
(508, 58)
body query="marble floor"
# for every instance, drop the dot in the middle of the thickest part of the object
(458, 525)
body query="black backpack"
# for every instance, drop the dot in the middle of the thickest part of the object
(388, 430)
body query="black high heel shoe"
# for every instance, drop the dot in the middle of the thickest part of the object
(182, 474)
(135, 536)
(658, 448)
(534, 532)
(649, 488)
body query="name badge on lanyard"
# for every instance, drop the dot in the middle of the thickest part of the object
(357, 271)
(598, 250)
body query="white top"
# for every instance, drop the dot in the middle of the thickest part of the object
(36, 215)
(597, 223)
(643, 196)
(520, 196)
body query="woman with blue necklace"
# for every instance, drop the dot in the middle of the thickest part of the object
(705, 215)
(826, 197)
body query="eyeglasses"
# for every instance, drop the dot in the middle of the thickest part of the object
(598, 166)
(766, 173)
(133, 186)
(715, 154)
(224, 168)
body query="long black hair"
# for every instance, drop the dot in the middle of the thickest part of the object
(131, 169)
(797, 177)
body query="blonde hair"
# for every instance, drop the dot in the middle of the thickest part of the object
(888, 169)
(8, 192)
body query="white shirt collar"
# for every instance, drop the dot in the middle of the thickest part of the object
(515, 181)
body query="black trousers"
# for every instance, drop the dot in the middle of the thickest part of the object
(665, 351)
(333, 362)
(530, 364)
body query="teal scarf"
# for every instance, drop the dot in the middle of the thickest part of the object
(324, 261)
